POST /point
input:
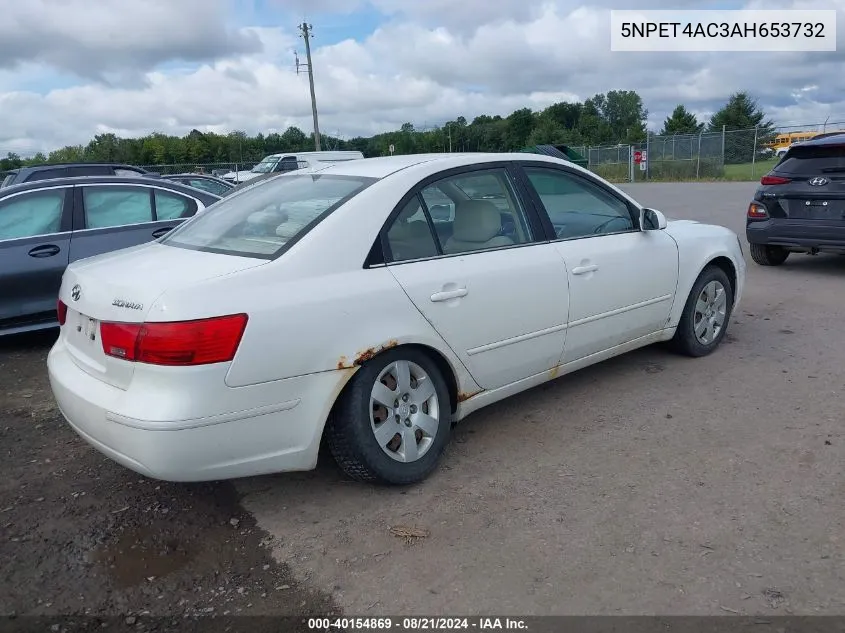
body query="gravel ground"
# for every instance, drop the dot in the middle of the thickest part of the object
(650, 484)
(82, 536)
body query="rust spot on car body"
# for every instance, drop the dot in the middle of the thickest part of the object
(367, 354)
(342, 363)
(463, 396)
(554, 372)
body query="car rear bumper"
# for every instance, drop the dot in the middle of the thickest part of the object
(821, 234)
(281, 433)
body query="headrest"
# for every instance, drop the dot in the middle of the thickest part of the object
(476, 221)
(409, 230)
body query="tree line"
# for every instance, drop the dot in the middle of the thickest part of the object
(618, 116)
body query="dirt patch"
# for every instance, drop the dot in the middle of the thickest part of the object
(82, 536)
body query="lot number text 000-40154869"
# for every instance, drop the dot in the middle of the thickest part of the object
(727, 31)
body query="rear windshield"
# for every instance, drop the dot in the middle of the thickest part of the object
(8, 180)
(261, 220)
(811, 160)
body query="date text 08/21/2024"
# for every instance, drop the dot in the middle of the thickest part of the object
(416, 623)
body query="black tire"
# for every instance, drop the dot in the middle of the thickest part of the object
(766, 255)
(685, 340)
(350, 437)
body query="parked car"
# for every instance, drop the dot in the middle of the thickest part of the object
(63, 170)
(45, 225)
(217, 186)
(324, 306)
(277, 163)
(799, 206)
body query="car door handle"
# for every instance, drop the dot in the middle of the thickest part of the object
(445, 295)
(583, 270)
(163, 231)
(47, 250)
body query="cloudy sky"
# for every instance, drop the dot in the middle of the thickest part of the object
(72, 68)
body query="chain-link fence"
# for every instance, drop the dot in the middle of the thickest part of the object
(213, 169)
(711, 155)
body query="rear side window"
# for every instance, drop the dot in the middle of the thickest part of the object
(90, 170)
(31, 214)
(410, 237)
(209, 185)
(122, 171)
(8, 180)
(170, 206)
(259, 221)
(47, 174)
(809, 160)
(116, 206)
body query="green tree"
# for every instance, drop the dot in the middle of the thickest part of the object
(741, 112)
(681, 121)
(742, 120)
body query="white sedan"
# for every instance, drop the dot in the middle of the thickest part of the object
(335, 305)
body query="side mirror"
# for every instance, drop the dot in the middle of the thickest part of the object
(652, 220)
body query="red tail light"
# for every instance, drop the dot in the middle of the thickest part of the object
(178, 343)
(757, 211)
(61, 310)
(774, 180)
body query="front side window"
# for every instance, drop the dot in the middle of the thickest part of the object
(265, 166)
(576, 207)
(258, 221)
(109, 206)
(31, 214)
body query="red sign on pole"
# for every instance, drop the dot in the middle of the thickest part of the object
(638, 156)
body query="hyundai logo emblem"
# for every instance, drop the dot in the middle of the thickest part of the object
(818, 181)
(76, 292)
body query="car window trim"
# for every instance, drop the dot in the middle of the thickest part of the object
(66, 222)
(537, 201)
(508, 166)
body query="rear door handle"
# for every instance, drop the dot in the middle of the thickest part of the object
(583, 270)
(445, 295)
(163, 231)
(47, 250)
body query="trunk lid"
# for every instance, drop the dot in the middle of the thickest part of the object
(121, 287)
(806, 201)
(817, 187)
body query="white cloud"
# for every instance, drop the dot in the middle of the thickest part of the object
(426, 64)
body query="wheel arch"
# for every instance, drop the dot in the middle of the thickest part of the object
(687, 279)
(449, 373)
(727, 267)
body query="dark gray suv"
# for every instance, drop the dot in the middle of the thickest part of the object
(63, 170)
(45, 225)
(799, 206)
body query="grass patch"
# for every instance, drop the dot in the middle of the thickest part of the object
(749, 171)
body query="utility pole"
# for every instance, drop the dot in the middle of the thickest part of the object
(305, 30)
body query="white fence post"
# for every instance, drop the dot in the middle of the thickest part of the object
(698, 165)
(754, 152)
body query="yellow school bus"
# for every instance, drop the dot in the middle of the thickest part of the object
(783, 140)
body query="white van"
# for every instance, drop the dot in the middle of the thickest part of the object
(289, 162)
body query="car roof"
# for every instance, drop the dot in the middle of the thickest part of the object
(385, 165)
(190, 175)
(833, 138)
(44, 166)
(67, 181)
